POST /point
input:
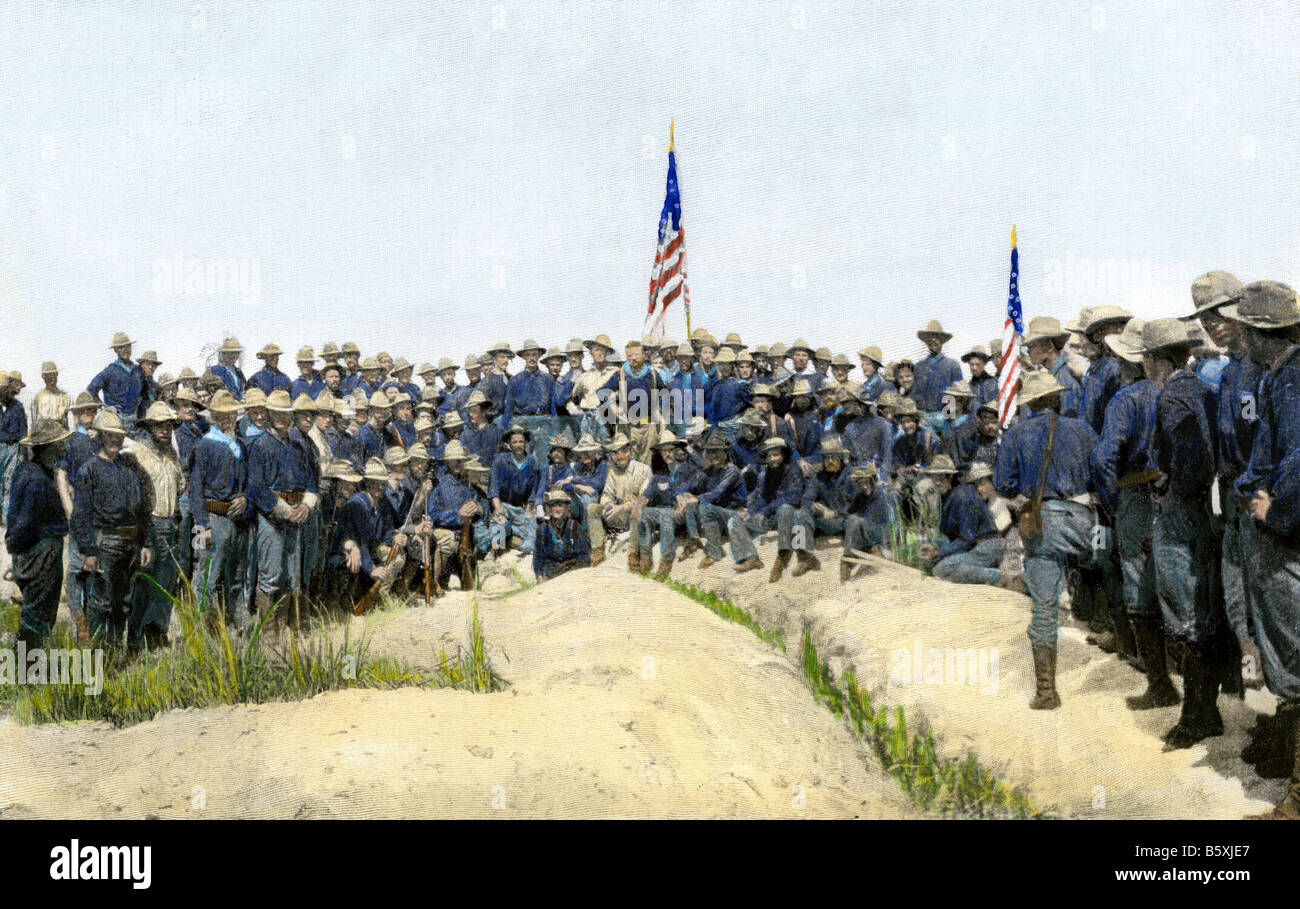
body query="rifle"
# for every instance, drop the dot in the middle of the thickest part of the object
(428, 574)
(366, 603)
(466, 554)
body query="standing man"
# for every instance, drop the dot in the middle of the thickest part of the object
(51, 402)
(516, 476)
(529, 401)
(983, 385)
(13, 427)
(218, 502)
(1270, 314)
(110, 518)
(1102, 379)
(1044, 342)
(935, 373)
(1044, 456)
(150, 390)
(151, 608)
(637, 385)
(34, 536)
(227, 368)
(588, 390)
(269, 378)
(121, 383)
(80, 446)
(308, 382)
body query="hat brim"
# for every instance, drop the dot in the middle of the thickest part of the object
(1232, 311)
(1113, 342)
(921, 335)
(27, 441)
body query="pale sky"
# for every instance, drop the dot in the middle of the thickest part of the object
(428, 179)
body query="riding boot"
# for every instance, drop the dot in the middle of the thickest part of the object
(1045, 697)
(1150, 633)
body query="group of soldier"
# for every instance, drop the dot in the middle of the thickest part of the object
(1150, 467)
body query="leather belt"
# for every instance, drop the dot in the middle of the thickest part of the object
(1138, 478)
(126, 532)
(216, 506)
(293, 498)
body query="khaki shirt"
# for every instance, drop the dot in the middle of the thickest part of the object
(622, 486)
(52, 405)
(584, 389)
(164, 470)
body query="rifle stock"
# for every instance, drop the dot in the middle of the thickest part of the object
(366, 603)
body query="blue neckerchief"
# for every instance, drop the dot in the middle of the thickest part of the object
(627, 368)
(253, 431)
(520, 465)
(126, 366)
(81, 429)
(216, 435)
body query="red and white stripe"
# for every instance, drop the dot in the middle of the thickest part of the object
(1008, 372)
(668, 278)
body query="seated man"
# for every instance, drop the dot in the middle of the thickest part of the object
(516, 476)
(452, 507)
(722, 494)
(747, 447)
(826, 499)
(559, 469)
(866, 525)
(974, 545)
(915, 444)
(772, 504)
(620, 499)
(584, 484)
(675, 479)
(561, 543)
(372, 548)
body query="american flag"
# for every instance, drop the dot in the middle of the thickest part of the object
(1012, 329)
(668, 278)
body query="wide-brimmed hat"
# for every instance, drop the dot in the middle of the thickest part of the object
(454, 451)
(423, 422)
(418, 451)
(864, 472)
(517, 428)
(1127, 345)
(832, 445)
(697, 427)
(187, 395)
(941, 465)
(370, 363)
(800, 387)
(46, 432)
(777, 351)
(762, 389)
(359, 399)
(575, 346)
(933, 328)
(889, 398)
(427, 367)
(761, 350)
(586, 444)
(800, 344)
(477, 398)
(306, 355)
(186, 373)
(773, 443)
(744, 357)
(16, 376)
(1045, 328)
(350, 347)
(270, 350)
(501, 347)
(375, 471)
(401, 363)
(452, 420)
(699, 334)
(1160, 334)
(751, 418)
(959, 389)
(1076, 326)
(326, 403)
(400, 398)
(379, 401)
(149, 356)
(230, 345)
(120, 339)
(1103, 315)
(48, 367)
(684, 349)
(822, 353)
(980, 470)
(484, 359)
(556, 497)
(167, 380)
(650, 343)
(717, 441)
(223, 402)
(278, 402)
(617, 443)
(1265, 304)
(396, 456)
(158, 412)
(1038, 383)
(667, 439)
(255, 397)
(107, 420)
(85, 401)
(329, 349)
(906, 407)
(342, 470)
(874, 354)
(554, 353)
(725, 355)
(303, 404)
(1212, 290)
(563, 439)
(840, 360)
(600, 340)
(976, 351)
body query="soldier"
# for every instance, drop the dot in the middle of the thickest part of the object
(873, 383)
(588, 389)
(454, 397)
(515, 478)
(974, 546)
(366, 380)
(559, 469)
(401, 378)
(805, 425)
(1044, 457)
(495, 376)
(954, 410)
(227, 368)
(976, 440)
(1270, 315)
(351, 360)
(330, 354)
(151, 606)
(935, 373)
(51, 402)
(621, 498)
(773, 503)
(110, 515)
(308, 382)
(983, 385)
(637, 385)
(401, 430)
(452, 503)
(373, 436)
(1125, 469)
(826, 496)
(308, 468)
(373, 549)
(282, 488)
(269, 378)
(13, 428)
(764, 398)
(800, 356)
(866, 525)
(80, 446)
(37, 525)
(1102, 379)
(1044, 342)
(561, 544)
(915, 445)
(822, 361)
(869, 438)
(584, 484)
(722, 495)
(331, 376)
(666, 502)
(219, 505)
(150, 389)
(121, 382)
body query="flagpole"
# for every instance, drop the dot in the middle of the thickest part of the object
(686, 306)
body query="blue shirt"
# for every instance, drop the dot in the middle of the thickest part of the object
(834, 490)
(482, 443)
(1072, 396)
(80, 449)
(13, 422)
(187, 436)
(915, 450)
(1020, 457)
(552, 547)
(875, 387)
(216, 473)
(513, 482)
(775, 487)
(966, 520)
(874, 510)
(35, 509)
(529, 395)
(1099, 386)
(595, 478)
(1275, 456)
(269, 380)
(274, 466)
(808, 434)
(362, 522)
(1126, 439)
(108, 494)
(121, 387)
(446, 500)
(1237, 412)
(983, 390)
(371, 442)
(682, 479)
(932, 376)
(640, 389)
(870, 440)
(302, 387)
(1185, 443)
(233, 378)
(724, 487)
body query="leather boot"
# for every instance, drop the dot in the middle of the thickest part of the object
(806, 562)
(1150, 633)
(1289, 808)
(271, 628)
(83, 627)
(435, 566)
(1263, 737)
(782, 560)
(633, 558)
(690, 547)
(1276, 748)
(846, 570)
(1045, 697)
(749, 564)
(1126, 641)
(597, 556)
(1200, 717)
(707, 561)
